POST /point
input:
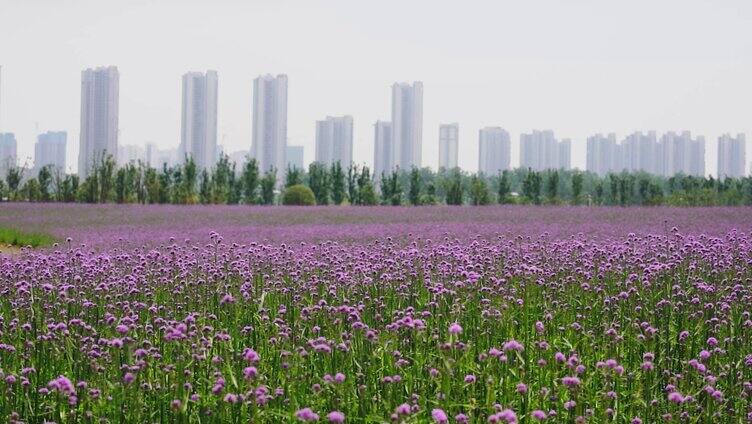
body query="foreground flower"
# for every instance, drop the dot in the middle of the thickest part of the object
(439, 416)
(306, 414)
(336, 417)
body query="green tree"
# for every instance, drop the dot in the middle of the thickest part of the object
(120, 185)
(250, 181)
(222, 178)
(106, 177)
(205, 189)
(552, 186)
(393, 194)
(577, 180)
(318, 181)
(366, 192)
(165, 184)
(531, 186)
(455, 192)
(352, 184)
(415, 185)
(189, 175)
(479, 191)
(44, 177)
(13, 180)
(504, 188)
(30, 190)
(337, 177)
(429, 198)
(268, 182)
(293, 176)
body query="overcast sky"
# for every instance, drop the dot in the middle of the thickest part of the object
(577, 66)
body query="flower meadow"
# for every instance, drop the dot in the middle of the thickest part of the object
(611, 319)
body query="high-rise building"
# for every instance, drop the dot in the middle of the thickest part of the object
(334, 140)
(407, 125)
(269, 142)
(731, 156)
(494, 150)
(198, 130)
(239, 158)
(295, 157)
(157, 158)
(99, 116)
(565, 154)
(682, 154)
(603, 154)
(130, 153)
(448, 145)
(49, 150)
(540, 150)
(640, 153)
(8, 153)
(382, 149)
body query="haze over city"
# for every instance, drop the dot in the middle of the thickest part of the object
(583, 67)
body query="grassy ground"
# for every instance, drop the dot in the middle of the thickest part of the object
(14, 237)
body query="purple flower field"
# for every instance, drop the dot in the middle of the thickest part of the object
(111, 225)
(378, 315)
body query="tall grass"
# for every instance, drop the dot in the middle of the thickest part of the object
(19, 238)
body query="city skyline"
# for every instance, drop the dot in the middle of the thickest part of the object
(538, 150)
(560, 77)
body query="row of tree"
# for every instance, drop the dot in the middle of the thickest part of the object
(226, 184)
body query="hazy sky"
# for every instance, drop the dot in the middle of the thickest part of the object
(574, 66)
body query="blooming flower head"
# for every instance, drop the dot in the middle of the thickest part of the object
(570, 381)
(307, 415)
(538, 415)
(439, 416)
(335, 417)
(250, 355)
(62, 385)
(675, 397)
(513, 345)
(455, 328)
(403, 409)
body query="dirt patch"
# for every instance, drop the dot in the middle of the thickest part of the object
(9, 250)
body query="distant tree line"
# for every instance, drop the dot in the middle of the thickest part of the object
(225, 183)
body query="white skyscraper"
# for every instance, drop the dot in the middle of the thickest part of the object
(8, 153)
(130, 153)
(334, 140)
(407, 124)
(198, 131)
(448, 145)
(49, 150)
(682, 154)
(494, 150)
(540, 151)
(295, 156)
(99, 116)
(565, 154)
(603, 154)
(640, 152)
(731, 156)
(269, 142)
(382, 149)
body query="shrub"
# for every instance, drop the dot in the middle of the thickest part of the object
(298, 195)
